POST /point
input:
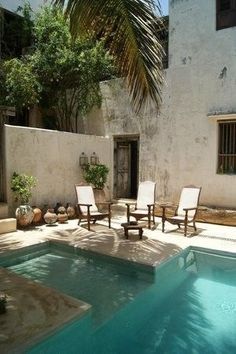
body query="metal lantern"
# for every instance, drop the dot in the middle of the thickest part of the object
(83, 160)
(94, 160)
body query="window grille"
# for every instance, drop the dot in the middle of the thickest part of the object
(225, 14)
(227, 148)
(225, 5)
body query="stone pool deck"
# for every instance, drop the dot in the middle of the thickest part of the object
(34, 310)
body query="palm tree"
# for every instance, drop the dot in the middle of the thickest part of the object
(130, 31)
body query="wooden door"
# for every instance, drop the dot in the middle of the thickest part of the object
(123, 170)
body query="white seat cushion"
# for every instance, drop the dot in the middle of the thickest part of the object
(85, 195)
(188, 199)
(146, 195)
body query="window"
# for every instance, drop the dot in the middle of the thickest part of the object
(227, 147)
(225, 14)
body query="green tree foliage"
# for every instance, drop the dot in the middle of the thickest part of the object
(21, 185)
(130, 31)
(61, 75)
(96, 175)
(21, 84)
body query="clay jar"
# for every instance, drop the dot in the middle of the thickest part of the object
(50, 217)
(24, 215)
(62, 215)
(37, 215)
(70, 210)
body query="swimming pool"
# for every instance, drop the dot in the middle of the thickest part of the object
(188, 305)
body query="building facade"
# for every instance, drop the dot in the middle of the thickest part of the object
(192, 139)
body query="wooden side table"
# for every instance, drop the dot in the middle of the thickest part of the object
(131, 226)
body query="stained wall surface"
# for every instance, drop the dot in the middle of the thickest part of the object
(53, 158)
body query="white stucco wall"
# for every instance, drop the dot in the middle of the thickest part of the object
(53, 158)
(178, 146)
(201, 80)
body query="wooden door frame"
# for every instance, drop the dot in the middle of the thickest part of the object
(123, 138)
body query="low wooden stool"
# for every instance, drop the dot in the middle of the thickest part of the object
(134, 226)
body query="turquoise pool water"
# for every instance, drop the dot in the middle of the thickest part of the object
(187, 306)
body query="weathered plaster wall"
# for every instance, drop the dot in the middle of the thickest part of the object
(53, 158)
(178, 146)
(201, 81)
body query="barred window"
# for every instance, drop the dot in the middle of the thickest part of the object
(225, 14)
(227, 147)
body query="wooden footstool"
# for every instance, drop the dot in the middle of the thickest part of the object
(134, 226)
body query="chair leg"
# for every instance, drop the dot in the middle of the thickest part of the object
(128, 216)
(88, 219)
(163, 219)
(109, 221)
(185, 229)
(163, 225)
(149, 220)
(194, 225)
(79, 221)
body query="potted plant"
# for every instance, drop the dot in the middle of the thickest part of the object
(3, 301)
(97, 176)
(21, 185)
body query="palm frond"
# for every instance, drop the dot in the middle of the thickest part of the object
(130, 30)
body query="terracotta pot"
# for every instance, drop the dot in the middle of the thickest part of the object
(50, 217)
(37, 215)
(100, 197)
(70, 210)
(62, 217)
(24, 215)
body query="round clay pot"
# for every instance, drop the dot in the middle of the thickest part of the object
(50, 217)
(24, 215)
(70, 210)
(62, 217)
(37, 215)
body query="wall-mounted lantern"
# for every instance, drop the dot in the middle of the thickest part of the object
(83, 160)
(94, 160)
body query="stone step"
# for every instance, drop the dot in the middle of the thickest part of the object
(3, 210)
(7, 225)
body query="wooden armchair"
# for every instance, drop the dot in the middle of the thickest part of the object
(186, 211)
(87, 208)
(144, 207)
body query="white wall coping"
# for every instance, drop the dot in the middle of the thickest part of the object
(222, 116)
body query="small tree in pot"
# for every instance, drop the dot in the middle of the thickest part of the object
(22, 185)
(97, 176)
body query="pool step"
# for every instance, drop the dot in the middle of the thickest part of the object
(7, 225)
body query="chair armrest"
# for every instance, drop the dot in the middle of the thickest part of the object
(128, 204)
(165, 205)
(89, 205)
(107, 203)
(187, 209)
(150, 205)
